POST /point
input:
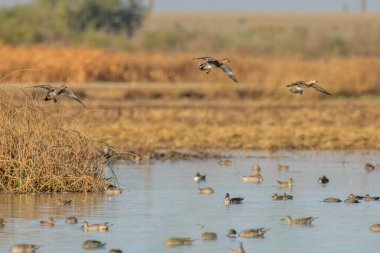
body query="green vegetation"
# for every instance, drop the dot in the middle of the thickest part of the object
(71, 21)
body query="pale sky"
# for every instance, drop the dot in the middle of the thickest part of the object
(263, 5)
(252, 5)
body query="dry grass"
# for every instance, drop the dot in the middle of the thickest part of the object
(45, 152)
(145, 126)
(264, 76)
(147, 118)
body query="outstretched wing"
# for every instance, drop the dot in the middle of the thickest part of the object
(320, 89)
(206, 58)
(295, 83)
(72, 95)
(44, 86)
(228, 72)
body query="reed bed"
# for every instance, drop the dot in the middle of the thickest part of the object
(351, 76)
(42, 151)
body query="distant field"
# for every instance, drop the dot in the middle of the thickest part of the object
(286, 34)
(259, 77)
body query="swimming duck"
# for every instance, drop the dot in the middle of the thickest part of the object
(287, 197)
(331, 200)
(178, 241)
(2, 222)
(253, 178)
(253, 233)
(71, 220)
(277, 197)
(369, 167)
(209, 236)
(285, 184)
(198, 177)
(228, 200)
(64, 202)
(355, 197)
(48, 223)
(113, 190)
(239, 249)
(115, 251)
(256, 169)
(24, 248)
(54, 92)
(282, 167)
(226, 162)
(206, 190)
(367, 197)
(323, 180)
(299, 86)
(93, 244)
(232, 233)
(95, 227)
(302, 221)
(211, 63)
(351, 201)
(375, 227)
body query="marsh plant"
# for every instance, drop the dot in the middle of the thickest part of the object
(42, 151)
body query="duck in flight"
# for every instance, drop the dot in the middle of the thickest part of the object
(299, 86)
(54, 92)
(211, 63)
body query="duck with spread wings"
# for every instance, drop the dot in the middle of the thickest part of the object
(54, 92)
(211, 63)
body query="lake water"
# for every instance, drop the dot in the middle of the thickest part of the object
(161, 200)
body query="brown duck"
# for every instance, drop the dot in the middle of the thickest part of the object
(211, 63)
(299, 86)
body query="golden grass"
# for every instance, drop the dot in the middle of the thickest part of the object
(147, 121)
(45, 152)
(264, 76)
(147, 126)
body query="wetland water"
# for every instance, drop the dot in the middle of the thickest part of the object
(161, 200)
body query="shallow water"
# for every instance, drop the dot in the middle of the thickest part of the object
(161, 200)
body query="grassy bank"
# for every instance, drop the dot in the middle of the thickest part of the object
(137, 118)
(42, 151)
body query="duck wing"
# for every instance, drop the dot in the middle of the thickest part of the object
(70, 94)
(206, 58)
(320, 89)
(295, 83)
(44, 86)
(228, 72)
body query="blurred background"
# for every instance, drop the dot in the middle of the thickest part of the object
(138, 51)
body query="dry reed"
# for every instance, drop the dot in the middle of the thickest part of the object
(44, 152)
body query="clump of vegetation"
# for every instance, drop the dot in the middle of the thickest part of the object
(70, 21)
(44, 152)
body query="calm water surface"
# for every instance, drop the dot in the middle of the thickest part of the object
(161, 200)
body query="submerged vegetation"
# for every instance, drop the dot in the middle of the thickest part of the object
(45, 152)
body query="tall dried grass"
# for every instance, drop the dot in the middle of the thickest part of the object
(352, 76)
(44, 152)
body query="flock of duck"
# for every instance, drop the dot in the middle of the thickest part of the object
(72, 220)
(209, 63)
(260, 232)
